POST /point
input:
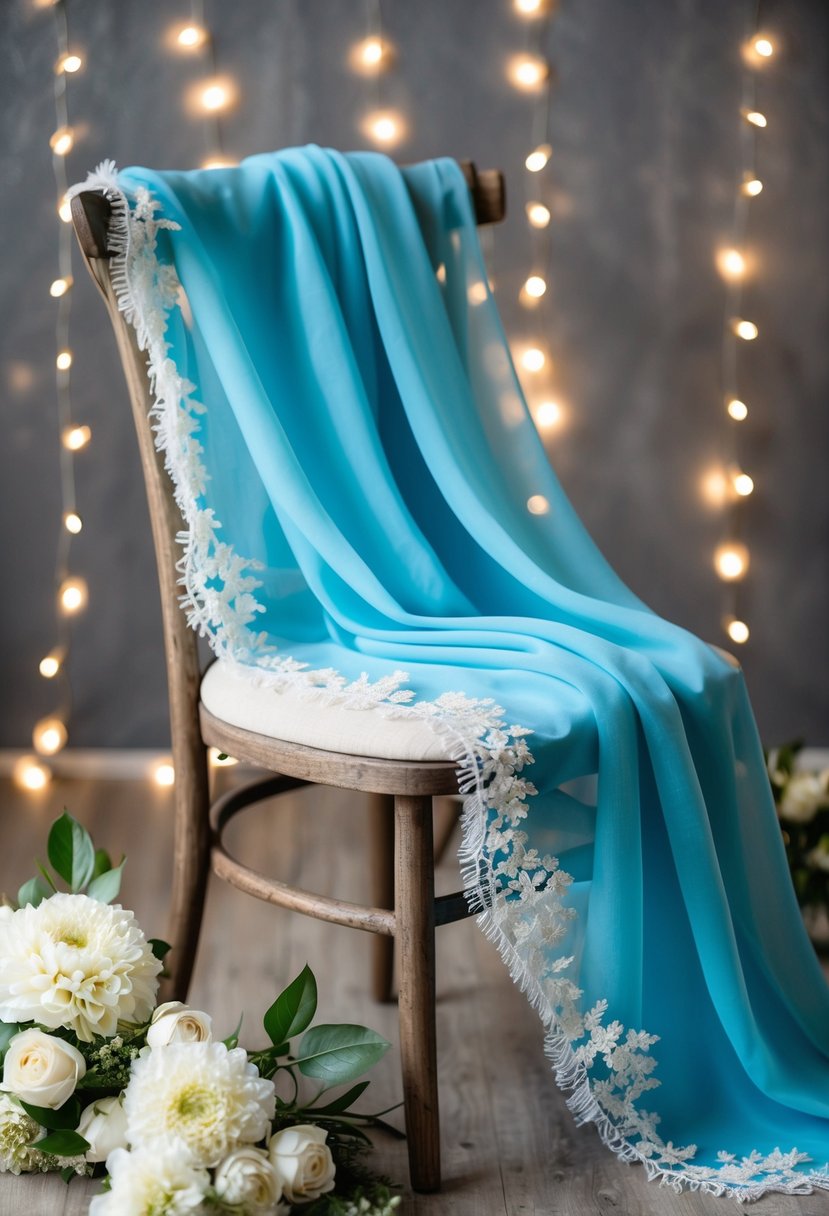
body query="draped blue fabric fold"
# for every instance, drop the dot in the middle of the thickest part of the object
(354, 459)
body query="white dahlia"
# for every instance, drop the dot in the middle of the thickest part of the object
(200, 1094)
(161, 1182)
(75, 962)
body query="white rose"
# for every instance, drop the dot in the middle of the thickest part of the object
(302, 1161)
(247, 1178)
(104, 1125)
(173, 1022)
(41, 1069)
(803, 797)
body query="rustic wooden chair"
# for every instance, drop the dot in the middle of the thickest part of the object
(405, 909)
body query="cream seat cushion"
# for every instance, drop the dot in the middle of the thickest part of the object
(229, 696)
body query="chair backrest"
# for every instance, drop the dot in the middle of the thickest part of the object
(90, 217)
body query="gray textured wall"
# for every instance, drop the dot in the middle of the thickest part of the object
(646, 150)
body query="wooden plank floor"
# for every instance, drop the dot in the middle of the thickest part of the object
(509, 1144)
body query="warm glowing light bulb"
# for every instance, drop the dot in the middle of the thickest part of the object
(752, 186)
(743, 484)
(72, 522)
(535, 286)
(59, 287)
(731, 561)
(548, 414)
(69, 63)
(476, 292)
(214, 97)
(537, 504)
(529, 8)
(49, 665)
(76, 437)
(371, 56)
(30, 774)
(755, 118)
(538, 158)
(538, 215)
(220, 759)
(763, 46)
(371, 51)
(440, 273)
(191, 37)
(62, 141)
(737, 409)
(738, 631)
(49, 736)
(384, 127)
(72, 596)
(65, 210)
(746, 330)
(533, 359)
(164, 774)
(731, 263)
(64, 360)
(528, 72)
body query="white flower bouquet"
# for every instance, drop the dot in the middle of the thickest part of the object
(801, 796)
(98, 1079)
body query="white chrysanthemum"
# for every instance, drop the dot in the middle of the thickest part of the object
(161, 1182)
(202, 1094)
(75, 962)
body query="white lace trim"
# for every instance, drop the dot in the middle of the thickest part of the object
(519, 897)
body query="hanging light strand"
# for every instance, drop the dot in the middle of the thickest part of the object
(373, 57)
(68, 588)
(50, 734)
(213, 94)
(731, 560)
(531, 72)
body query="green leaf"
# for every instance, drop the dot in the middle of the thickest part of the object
(106, 886)
(159, 948)
(65, 1118)
(33, 892)
(71, 851)
(336, 1054)
(62, 1144)
(50, 882)
(103, 862)
(68, 1174)
(293, 1009)
(232, 1040)
(341, 1104)
(93, 1079)
(7, 1032)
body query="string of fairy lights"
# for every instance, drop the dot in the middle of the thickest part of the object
(730, 486)
(50, 733)
(531, 73)
(210, 97)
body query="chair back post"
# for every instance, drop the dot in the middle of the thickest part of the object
(90, 213)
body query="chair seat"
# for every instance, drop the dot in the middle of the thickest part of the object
(310, 722)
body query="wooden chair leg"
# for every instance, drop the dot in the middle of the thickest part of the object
(381, 859)
(415, 931)
(191, 863)
(447, 812)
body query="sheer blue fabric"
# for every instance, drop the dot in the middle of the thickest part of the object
(354, 459)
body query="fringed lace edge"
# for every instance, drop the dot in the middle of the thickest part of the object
(467, 748)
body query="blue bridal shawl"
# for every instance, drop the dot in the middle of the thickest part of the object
(354, 459)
